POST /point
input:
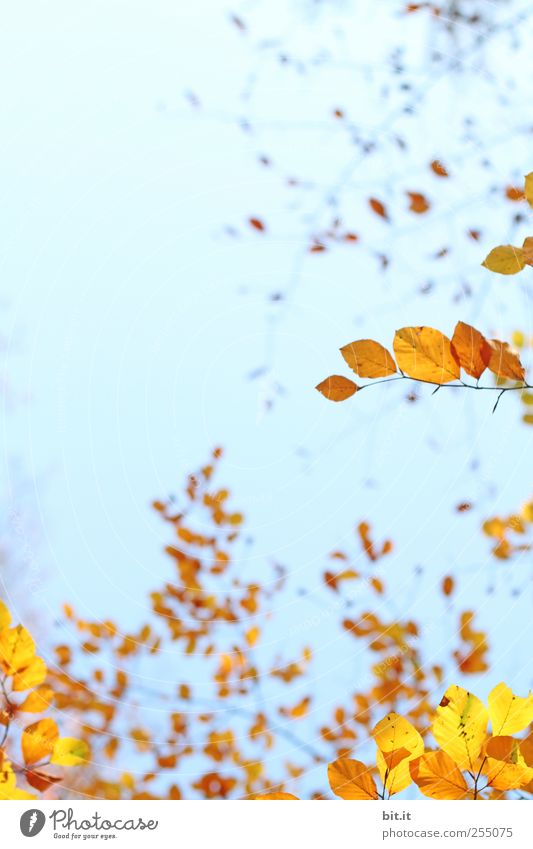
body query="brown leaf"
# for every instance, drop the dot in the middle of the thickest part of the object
(379, 208)
(418, 202)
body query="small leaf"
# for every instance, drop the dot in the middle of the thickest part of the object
(439, 169)
(68, 751)
(379, 208)
(337, 388)
(418, 203)
(472, 349)
(426, 354)
(529, 188)
(17, 649)
(351, 779)
(505, 259)
(368, 358)
(275, 797)
(509, 713)
(38, 740)
(438, 777)
(504, 362)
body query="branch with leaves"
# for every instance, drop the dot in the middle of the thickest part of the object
(23, 691)
(471, 763)
(426, 355)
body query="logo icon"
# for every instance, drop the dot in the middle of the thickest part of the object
(32, 822)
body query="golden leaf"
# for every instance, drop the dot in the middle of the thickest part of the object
(460, 726)
(38, 740)
(32, 675)
(505, 259)
(529, 188)
(509, 713)
(398, 742)
(16, 649)
(351, 779)
(505, 765)
(438, 777)
(426, 354)
(472, 349)
(368, 358)
(5, 616)
(337, 388)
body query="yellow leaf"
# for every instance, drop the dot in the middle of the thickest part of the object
(38, 700)
(398, 742)
(505, 259)
(505, 765)
(426, 354)
(337, 388)
(351, 779)
(509, 713)
(68, 751)
(460, 726)
(504, 362)
(438, 777)
(275, 797)
(38, 740)
(5, 616)
(529, 188)
(8, 784)
(368, 358)
(16, 649)
(472, 349)
(32, 675)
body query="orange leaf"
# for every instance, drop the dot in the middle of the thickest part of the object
(418, 202)
(337, 388)
(504, 362)
(378, 208)
(472, 349)
(351, 779)
(38, 740)
(426, 354)
(439, 169)
(368, 358)
(438, 777)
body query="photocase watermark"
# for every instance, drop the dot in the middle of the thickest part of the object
(32, 822)
(65, 826)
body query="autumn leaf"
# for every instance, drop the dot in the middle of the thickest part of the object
(368, 358)
(351, 779)
(439, 169)
(438, 777)
(16, 649)
(379, 208)
(505, 259)
(418, 203)
(38, 740)
(504, 362)
(257, 224)
(275, 797)
(5, 616)
(398, 742)
(426, 354)
(32, 675)
(471, 348)
(68, 751)
(509, 713)
(529, 188)
(460, 726)
(38, 700)
(337, 388)
(505, 765)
